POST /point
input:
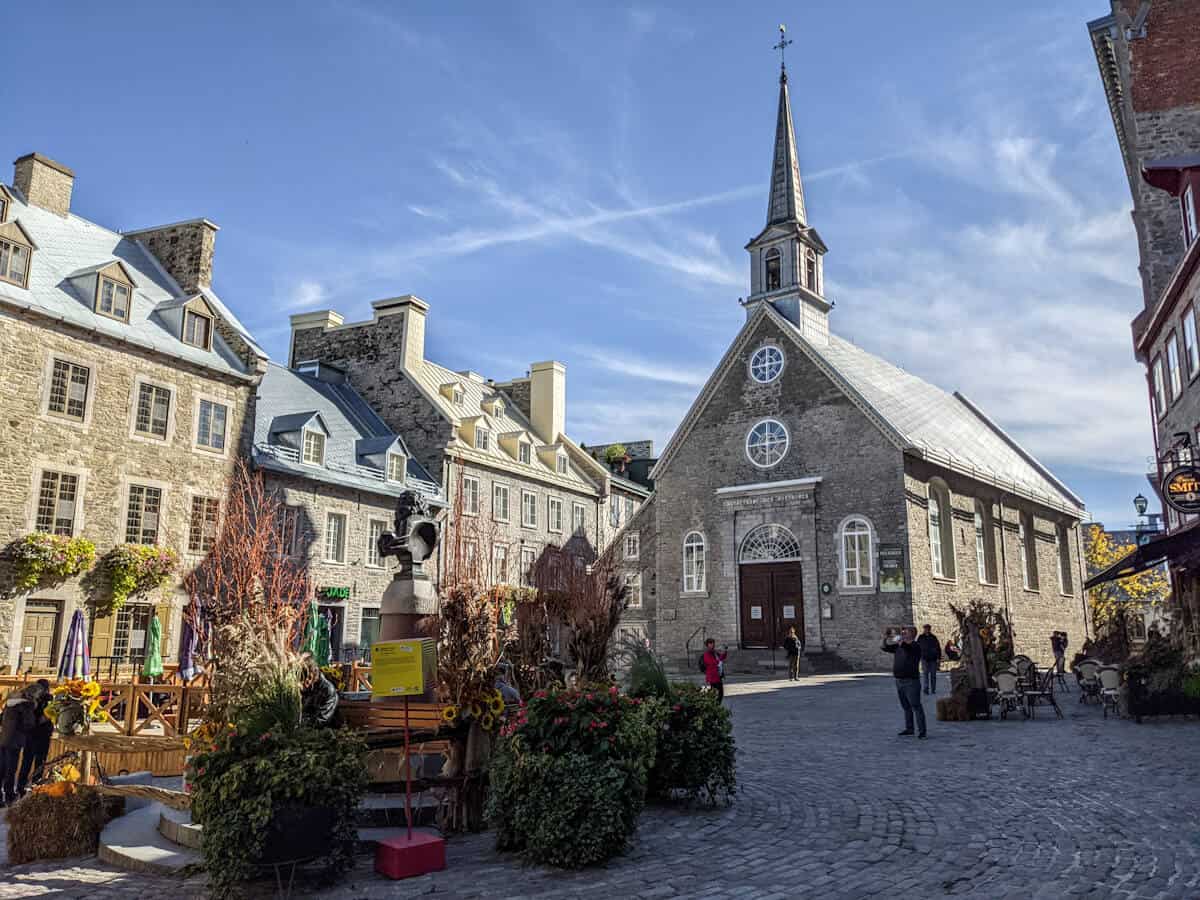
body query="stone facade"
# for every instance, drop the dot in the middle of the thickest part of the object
(44, 182)
(185, 250)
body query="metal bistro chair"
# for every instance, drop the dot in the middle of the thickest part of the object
(1089, 680)
(1021, 665)
(1110, 689)
(1042, 691)
(1008, 695)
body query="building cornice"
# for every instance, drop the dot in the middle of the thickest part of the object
(768, 487)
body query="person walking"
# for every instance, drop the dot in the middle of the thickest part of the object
(714, 667)
(906, 657)
(37, 744)
(1060, 659)
(16, 725)
(794, 645)
(931, 659)
(1056, 647)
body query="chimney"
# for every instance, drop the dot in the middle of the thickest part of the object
(185, 250)
(44, 182)
(548, 399)
(322, 318)
(414, 310)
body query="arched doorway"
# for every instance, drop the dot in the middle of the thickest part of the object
(771, 593)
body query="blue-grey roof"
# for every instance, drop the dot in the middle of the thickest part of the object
(288, 400)
(68, 246)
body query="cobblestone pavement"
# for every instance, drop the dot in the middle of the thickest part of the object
(834, 805)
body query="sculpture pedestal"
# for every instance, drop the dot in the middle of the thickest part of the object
(408, 599)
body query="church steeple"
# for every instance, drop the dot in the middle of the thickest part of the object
(786, 202)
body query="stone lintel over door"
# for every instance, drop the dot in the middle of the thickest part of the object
(791, 504)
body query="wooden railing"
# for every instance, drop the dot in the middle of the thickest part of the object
(169, 710)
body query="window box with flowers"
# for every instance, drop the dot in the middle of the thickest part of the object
(40, 559)
(131, 569)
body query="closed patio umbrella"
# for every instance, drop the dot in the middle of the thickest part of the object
(153, 667)
(312, 631)
(187, 651)
(76, 660)
(322, 653)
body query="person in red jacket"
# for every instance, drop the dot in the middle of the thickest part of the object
(714, 667)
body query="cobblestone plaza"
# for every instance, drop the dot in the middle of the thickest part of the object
(833, 804)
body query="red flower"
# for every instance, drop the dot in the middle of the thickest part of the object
(677, 707)
(613, 690)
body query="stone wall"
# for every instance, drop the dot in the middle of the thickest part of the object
(185, 250)
(1182, 414)
(642, 619)
(44, 182)
(101, 450)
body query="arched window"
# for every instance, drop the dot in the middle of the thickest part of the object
(941, 530)
(1028, 552)
(857, 553)
(985, 543)
(766, 364)
(693, 563)
(810, 270)
(769, 543)
(1065, 582)
(767, 443)
(774, 268)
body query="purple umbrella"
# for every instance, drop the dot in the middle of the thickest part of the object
(76, 659)
(187, 651)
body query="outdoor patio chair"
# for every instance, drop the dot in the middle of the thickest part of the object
(1008, 695)
(1041, 692)
(1110, 688)
(1089, 680)
(1022, 664)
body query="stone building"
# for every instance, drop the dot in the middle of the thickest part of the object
(127, 394)
(1147, 56)
(337, 469)
(814, 485)
(514, 481)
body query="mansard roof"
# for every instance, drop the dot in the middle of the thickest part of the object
(69, 246)
(921, 419)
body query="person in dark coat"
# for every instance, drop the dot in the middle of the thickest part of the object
(794, 646)
(37, 745)
(318, 696)
(16, 726)
(714, 667)
(905, 669)
(931, 659)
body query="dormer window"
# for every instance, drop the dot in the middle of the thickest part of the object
(313, 453)
(1190, 230)
(113, 299)
(14, 263)
(3, 207)
(561, 464)
(524, 454)
(774, 268)
(395, 467)
(456, 394)
(482, 437)
(197, 329)
(810, 270)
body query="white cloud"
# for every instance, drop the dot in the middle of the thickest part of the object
(622, 362)
(306, 294)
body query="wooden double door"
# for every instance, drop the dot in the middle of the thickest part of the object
(39, 634)
(772, 601)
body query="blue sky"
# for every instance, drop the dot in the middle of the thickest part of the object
(577, 182)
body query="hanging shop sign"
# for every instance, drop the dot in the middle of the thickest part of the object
(333, 593)
(891, 568)
(1181, 489)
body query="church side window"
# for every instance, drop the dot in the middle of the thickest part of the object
(767, 443)
(774, 268)
(1065, 582)
(693, 563)
(941, 530)
(857, 571)
(985, 554)
(1028, 552)
(766, 364)
(810, 271)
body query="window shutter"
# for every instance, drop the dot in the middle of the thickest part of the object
(102, 635)
(163, 611)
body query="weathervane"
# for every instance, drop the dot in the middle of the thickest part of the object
(782, 47)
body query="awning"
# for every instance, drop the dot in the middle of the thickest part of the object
(1150, 554)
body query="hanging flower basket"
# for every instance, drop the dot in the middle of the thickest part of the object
(41, 559)
(132, 569)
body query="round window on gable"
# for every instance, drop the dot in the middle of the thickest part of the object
(767, 443)
(766, 364)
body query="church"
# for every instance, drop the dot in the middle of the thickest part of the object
(815, 485)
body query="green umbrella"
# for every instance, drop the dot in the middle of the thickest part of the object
(321, 654)
(312, 630)
(152, 667)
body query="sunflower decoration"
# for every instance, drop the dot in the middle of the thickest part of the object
(488, 722)
(449, 714)
(495, 703)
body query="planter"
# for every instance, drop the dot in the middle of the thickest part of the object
(298, 833)
(1160, 703)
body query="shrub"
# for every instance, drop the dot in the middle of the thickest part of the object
(40, 559)
(568, 779)
(696, 754)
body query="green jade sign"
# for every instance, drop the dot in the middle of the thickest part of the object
(334, 593)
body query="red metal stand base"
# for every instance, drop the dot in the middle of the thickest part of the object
(406, 857)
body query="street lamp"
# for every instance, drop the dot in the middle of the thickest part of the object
(1140, 503)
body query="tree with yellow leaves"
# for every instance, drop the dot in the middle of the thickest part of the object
(1112, 603)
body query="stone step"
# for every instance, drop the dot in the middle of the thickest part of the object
(176, 826)
(132, 842)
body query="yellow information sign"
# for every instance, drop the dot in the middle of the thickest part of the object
(398, 668)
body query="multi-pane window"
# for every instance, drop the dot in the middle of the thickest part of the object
(395, 467)
(810, 268)
(528, 559)
(1173, 366)
(554, 514)
(500, 502)
(470, 492)
(130, 629)
(1028, 552)
(368, 630)
(1160, 396)
(197, 329)
(1190, 348)
(69, 389)
(524, 453)
(1065, 582)
(628, 509)
(633, 587)
(693, 563)
(14, 263)
(1190, 231)
(766, 364)
(561, 463)
(289, 530)
(314, 448)
(114, 299)
(984, 560)
(375, 529)
(773, 270)
(935, 536)
(210, 427)
(482, 437)
(153, 410)
(614, 512)
(202, 525)
(56, 503)
(457, 395)
(767, 443)
(528, 509)
(499, 564)
(141, 517)
(470, 554)
(856, 554)
(633, 545)
(335, 537)
(578, 518)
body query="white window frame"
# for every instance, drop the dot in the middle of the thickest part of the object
(499, 490)
(561, 465)
(1160, 387)
(1175, 379)
(1062, 540)
(482, 437)
(524, 453)
(102, 282)
(770, 369)
(632, 545)
(578, 518)
(529, 506)
(935, 536)
(853, 577)
(984, 540)
(528, 561)
(6, 258)
(77, 507)
(1190, 230)
(499, 561)
(554, 514)
(374, 560)
(208, 449)
(304, 456)
(338, 558)
(695, 563)
(190, 315)
(128, 494)
(772, 256)
(766, 424)
(1191, 349)
(470, 491)
(399, 460)
(633, 584)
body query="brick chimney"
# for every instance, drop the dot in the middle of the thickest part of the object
(185, 250)
(414, 310)
(548, 399)
(44, 182)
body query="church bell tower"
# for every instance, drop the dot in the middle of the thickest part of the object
(787, 256)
